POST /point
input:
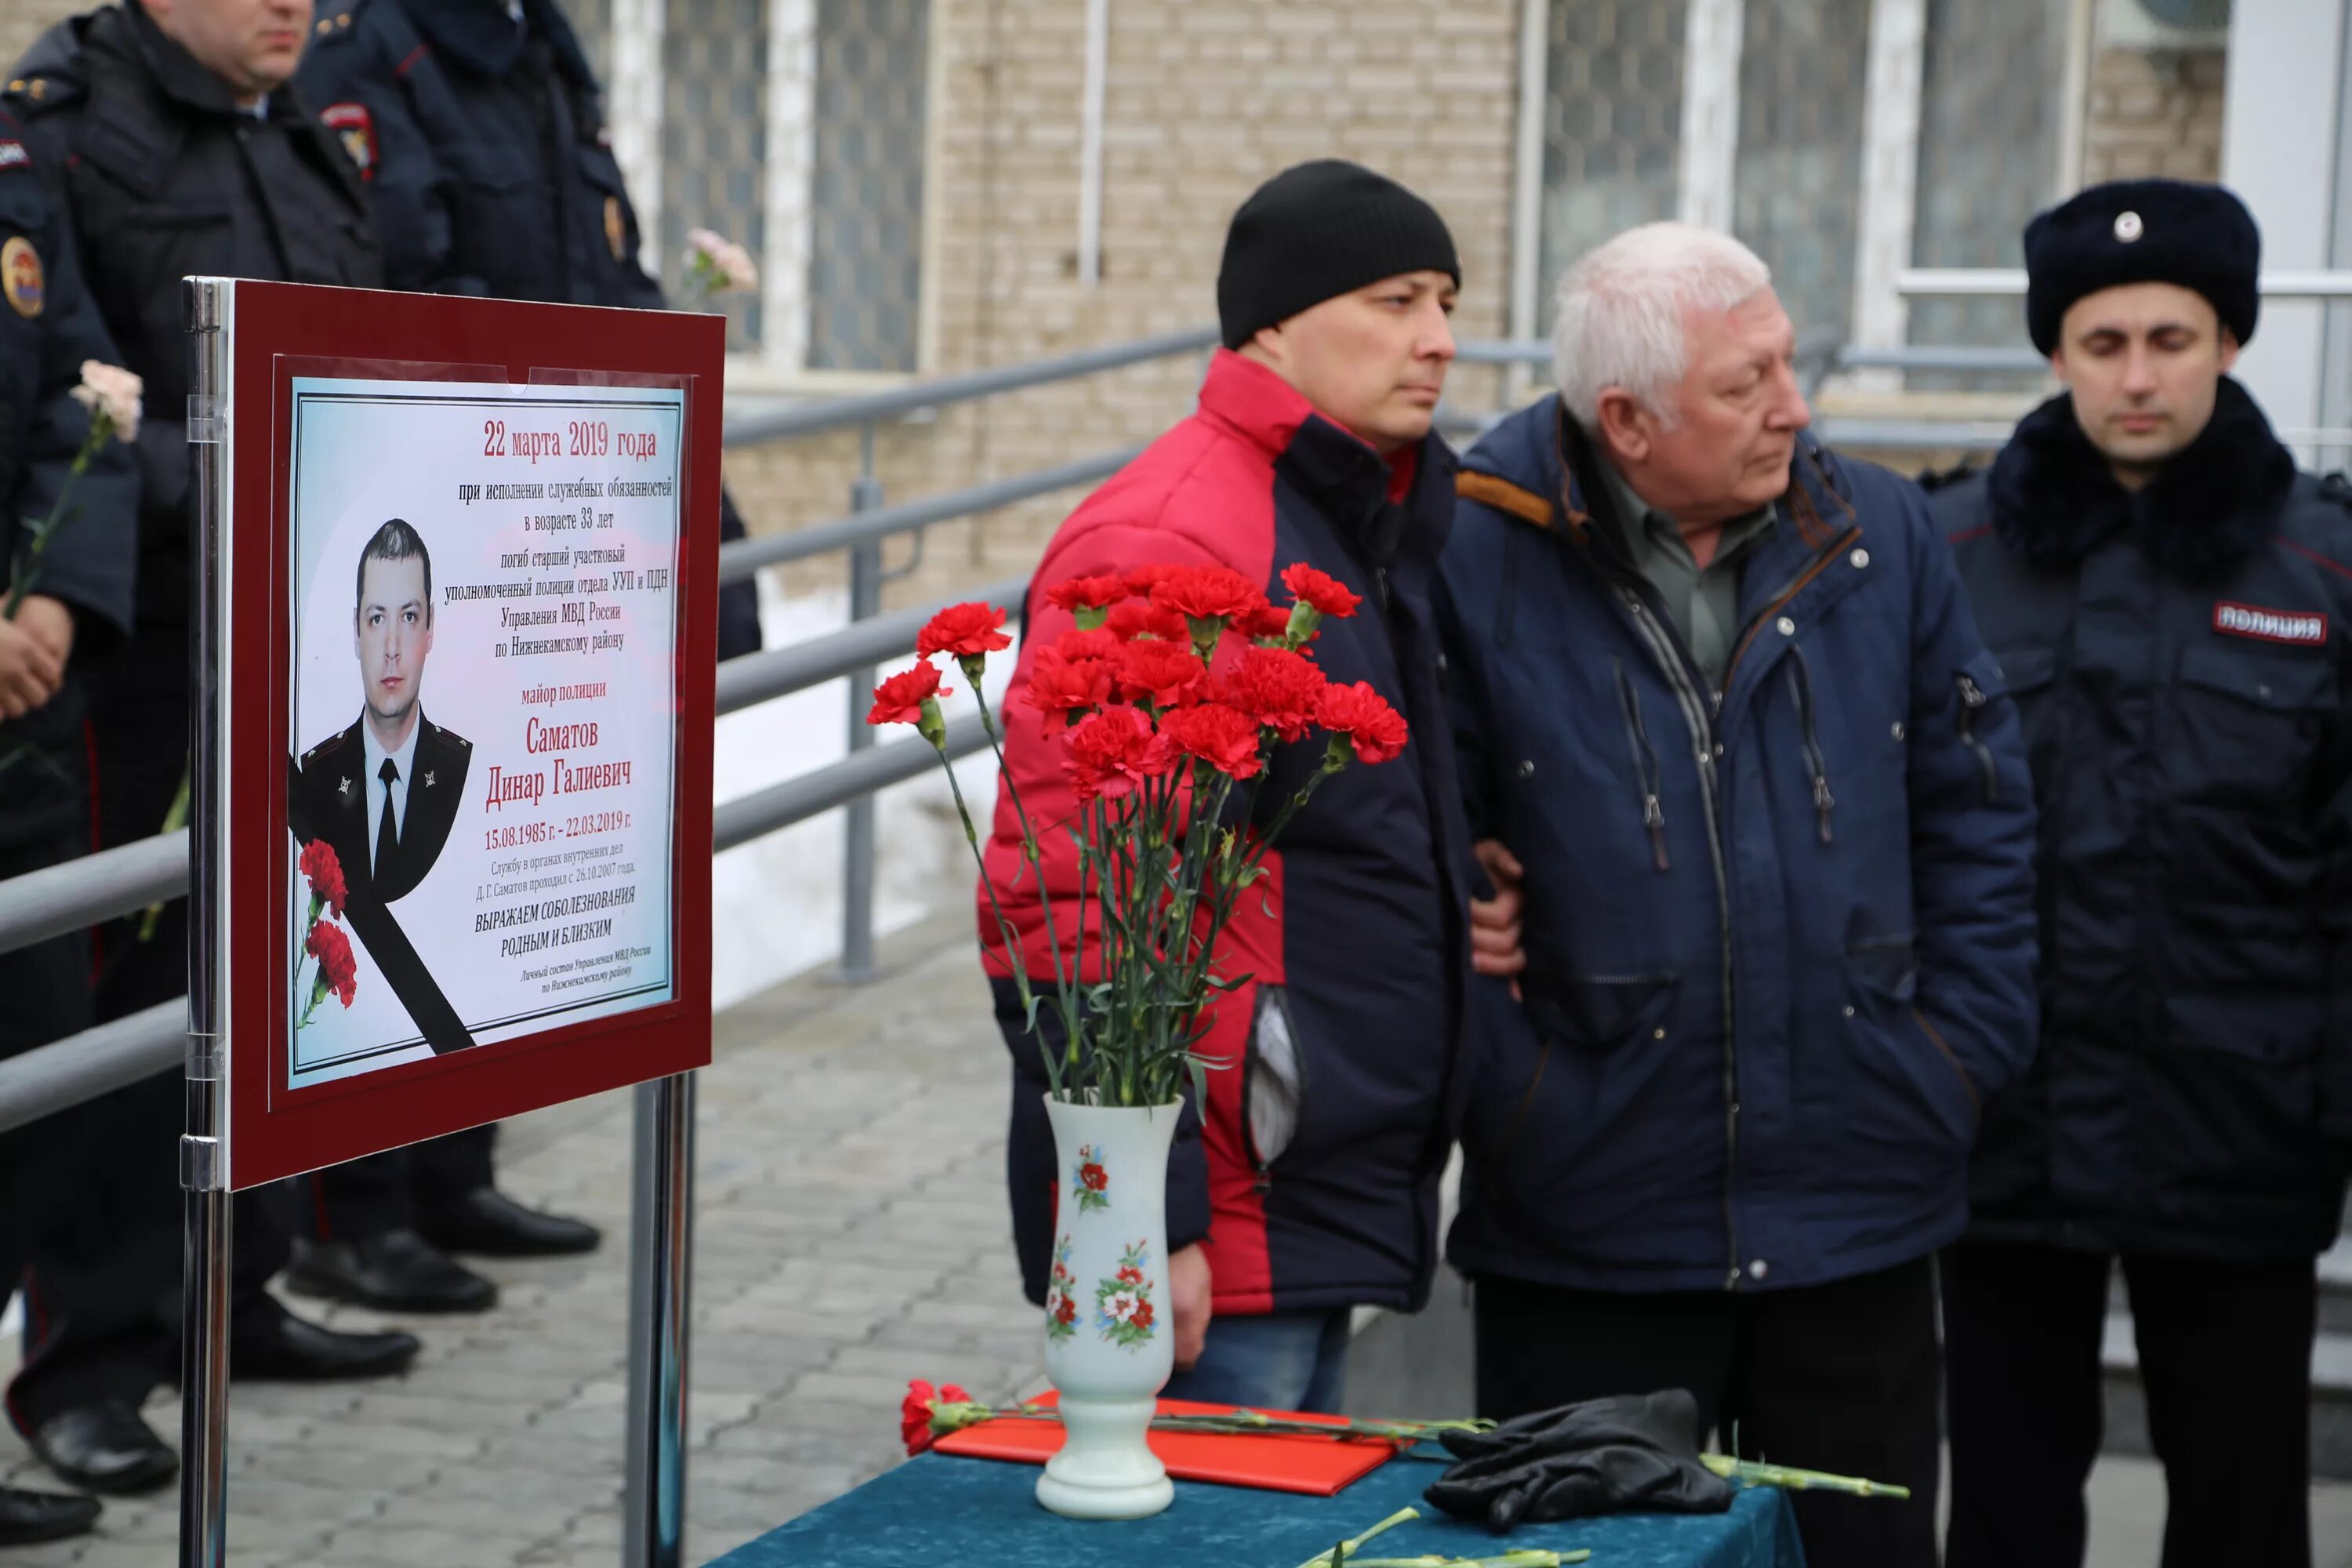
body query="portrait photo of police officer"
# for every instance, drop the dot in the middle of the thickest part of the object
(385, 791)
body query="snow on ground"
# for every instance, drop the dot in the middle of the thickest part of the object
(776, 901)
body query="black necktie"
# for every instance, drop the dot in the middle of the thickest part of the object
(387, 832)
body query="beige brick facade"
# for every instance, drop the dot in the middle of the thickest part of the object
(1206, 98)
(2154, 112)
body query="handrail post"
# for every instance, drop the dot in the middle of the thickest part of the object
(661, 1257)
(857, 835)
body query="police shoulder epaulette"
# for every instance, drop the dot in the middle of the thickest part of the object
(2335, 487)
(39, 92)
(335, 22)
(1504, 497)
(325, 748)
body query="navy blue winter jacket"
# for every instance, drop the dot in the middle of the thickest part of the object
(1779, 937)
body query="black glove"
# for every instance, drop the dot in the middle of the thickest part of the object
(1635, 1451)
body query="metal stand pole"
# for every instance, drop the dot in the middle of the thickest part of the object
(661, 1251)
(204, 1254)
(857, 854)
(203, 1383)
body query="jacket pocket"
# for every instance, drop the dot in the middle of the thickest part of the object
(1903, 1081)
(2246, 725)
(1274, 1080)
(1600, 1014)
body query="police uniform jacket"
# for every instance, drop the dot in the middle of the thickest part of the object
(484, 144)
(483, 141)
(2181, 657)
(167, 176)
(49, 326)
(330, 802)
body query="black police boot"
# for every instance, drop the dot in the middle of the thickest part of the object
(489, 1224)
(398, 1271)
(104, 1448)
(282, 1348)
(28, 1517)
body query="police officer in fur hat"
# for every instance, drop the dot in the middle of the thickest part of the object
(2171, 600)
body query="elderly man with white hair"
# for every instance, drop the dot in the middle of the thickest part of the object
(1726, 723)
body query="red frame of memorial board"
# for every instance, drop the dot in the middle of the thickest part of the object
(279, 330)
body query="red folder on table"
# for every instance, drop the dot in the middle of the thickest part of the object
(1276, 1461)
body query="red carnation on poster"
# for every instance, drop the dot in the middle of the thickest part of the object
(338, 971)
(326, 877)
(965, 631)
(1375, 730)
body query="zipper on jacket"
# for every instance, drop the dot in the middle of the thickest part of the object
(1646, 772)
(1973, 701)
(1789, 591)
(1696, 710)
(1817, 768)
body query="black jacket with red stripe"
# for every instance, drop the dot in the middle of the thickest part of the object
(1357, 945)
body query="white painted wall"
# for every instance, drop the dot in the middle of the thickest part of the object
(2279, 137)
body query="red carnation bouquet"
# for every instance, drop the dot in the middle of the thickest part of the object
(1168, 699)
(323, 941)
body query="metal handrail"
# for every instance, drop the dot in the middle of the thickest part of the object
(2008, 282)
(755, 677)
(64, 1073)
(743, 557)
(77, 893)
(874, 409)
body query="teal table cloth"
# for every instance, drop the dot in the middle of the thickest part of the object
(983, 1513)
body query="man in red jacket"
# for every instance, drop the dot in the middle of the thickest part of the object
(1307, 1186)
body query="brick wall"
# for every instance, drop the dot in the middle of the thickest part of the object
(2154, 112)
(1205, 98)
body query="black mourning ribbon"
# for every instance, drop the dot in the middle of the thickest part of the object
(373, 923)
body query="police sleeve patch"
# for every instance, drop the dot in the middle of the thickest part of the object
(356, 127)
(20, 276)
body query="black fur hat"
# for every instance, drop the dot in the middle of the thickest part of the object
(2143, 231)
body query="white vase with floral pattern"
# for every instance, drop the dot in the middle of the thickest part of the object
(1109, 1328)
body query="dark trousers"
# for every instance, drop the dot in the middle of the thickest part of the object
(48, 990)
(1839, 1377)
(398, 1188)
(2225, 1361)
(102, 1288)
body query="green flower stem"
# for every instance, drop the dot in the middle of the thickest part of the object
(29, 564)
(1348, 1549)
(1523, 1557)
(174, 820)
(1749, 1472)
